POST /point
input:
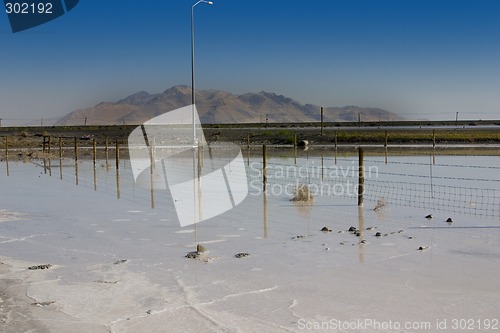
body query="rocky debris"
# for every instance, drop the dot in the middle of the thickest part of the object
(42, 303)
(201, 249)
(149, 312)
(380, 204)
(302, 143)
(341, 231)
(302, 193)
(325, 229)
(421, 248)
(47, 266)
(429, 217)
(371, 228)
(106, 282)
(358, 234)
(199, 256)
(122, 261)
(449, 220)
(192, 255)
(299, 236)
(378, 234)
(242, 255)
(352, 229)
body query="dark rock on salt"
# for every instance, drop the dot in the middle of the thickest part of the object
(47, 266)
(192, 255)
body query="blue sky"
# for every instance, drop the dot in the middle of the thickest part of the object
(420, 58)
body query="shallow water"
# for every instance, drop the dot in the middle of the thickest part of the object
(287, 282)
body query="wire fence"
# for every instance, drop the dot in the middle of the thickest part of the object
(459, 184)
(471, 189)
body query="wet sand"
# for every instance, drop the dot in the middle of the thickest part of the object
(17, 312)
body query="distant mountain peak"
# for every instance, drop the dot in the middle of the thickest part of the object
(138, 98)
(178, 89)
(217, 106)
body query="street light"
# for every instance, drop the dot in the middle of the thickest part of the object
(193, 98)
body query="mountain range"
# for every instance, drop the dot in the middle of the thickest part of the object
(219, 107)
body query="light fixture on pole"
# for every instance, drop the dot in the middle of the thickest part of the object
(193, 98)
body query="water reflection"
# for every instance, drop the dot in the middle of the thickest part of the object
(362, 239)
(461, 184)
(265, 212)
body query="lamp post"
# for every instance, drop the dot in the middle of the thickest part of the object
(193, 98)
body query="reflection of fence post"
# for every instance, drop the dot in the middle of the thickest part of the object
(335, 147)
(106, 152)
(385, 146)
(152, 167)
(265, 210)
(248, 140)
(361, 176)
(264, 166)
(361, 228)
(76, 161)
(117, 157)
(7, 153)
(60, 156)
(434, 146)
(60, 148)
(94, 160)
(48, 143)
(295, 140)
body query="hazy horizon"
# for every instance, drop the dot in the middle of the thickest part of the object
(420, 59)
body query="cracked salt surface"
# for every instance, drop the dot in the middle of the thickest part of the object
(85, 233)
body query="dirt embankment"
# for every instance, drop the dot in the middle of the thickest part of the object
(49, 139)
